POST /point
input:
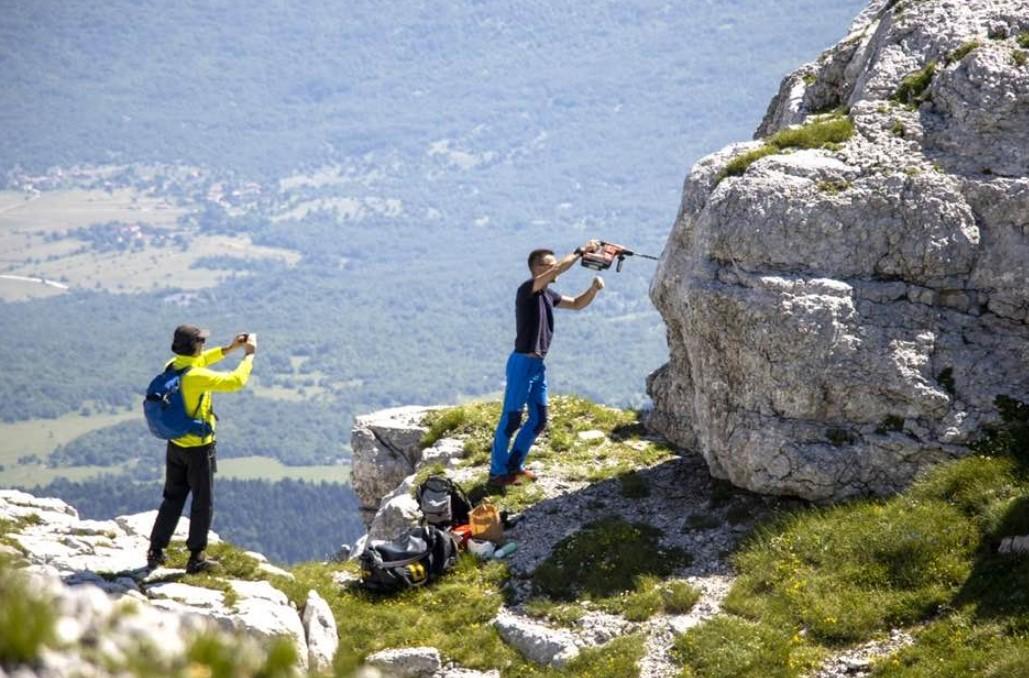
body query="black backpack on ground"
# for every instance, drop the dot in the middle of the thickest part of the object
(422, 555)
(443, 502)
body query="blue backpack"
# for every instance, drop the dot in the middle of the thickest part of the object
(165, 409)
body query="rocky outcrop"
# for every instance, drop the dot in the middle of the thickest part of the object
(94, 572)
(841, 318)
(387, 453)
(386, 448)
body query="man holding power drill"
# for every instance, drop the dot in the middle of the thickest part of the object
(190, 460)
(526, 374)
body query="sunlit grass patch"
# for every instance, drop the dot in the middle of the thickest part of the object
(562, 614)
(730, 647)
(617, 659)
(614, 446)
(453, 614)
(472, 419)
(846, 572)
(957, 646)
(650, 596)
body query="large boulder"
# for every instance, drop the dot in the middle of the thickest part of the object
(841, 318)
(386, 447)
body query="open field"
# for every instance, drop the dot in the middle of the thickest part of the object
(33, 245)
(34, 475)
(42, 436)
(61, 211)
(143, 270)
(266, 468)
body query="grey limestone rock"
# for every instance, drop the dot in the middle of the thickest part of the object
(536, 642)
(398, 512)
(840, 319)
(92, 574)
(386, 448)
(409, 662)
(320, 629)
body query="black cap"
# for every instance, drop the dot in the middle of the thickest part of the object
(186, 337)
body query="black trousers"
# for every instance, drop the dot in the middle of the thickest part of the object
(186, 470)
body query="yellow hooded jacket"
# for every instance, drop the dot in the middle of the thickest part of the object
(201, 382)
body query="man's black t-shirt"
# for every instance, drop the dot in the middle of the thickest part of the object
(534, 312)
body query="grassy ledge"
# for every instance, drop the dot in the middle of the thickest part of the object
(834, 577)
(583, 442)
(825, 132)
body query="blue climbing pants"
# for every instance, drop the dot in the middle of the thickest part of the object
(526, 384)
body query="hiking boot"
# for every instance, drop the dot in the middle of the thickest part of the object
(199, 563)
(501, 481)
(155, 558)
(524, 475)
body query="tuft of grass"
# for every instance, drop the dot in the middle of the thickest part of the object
(891, 423)
(26, 620)
(835, 129)
(475, 422)
(822, 132)
(616, 659)
(650, 596)
(605, 558)
(897, 129)
(738, 513)
(912, 89)
(210, 655)
(962, 51)
(563, 614)
(1019, 57)
(1023, 40)
(634, 486)
(839, 436)
(833, 186)
(701, 521)
(739, 164)
(679, 597)
(729, 647)
(946, 379)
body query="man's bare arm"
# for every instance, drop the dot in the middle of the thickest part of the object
(548, 276)
(585, 299)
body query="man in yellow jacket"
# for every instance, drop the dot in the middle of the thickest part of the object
(190, 460)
